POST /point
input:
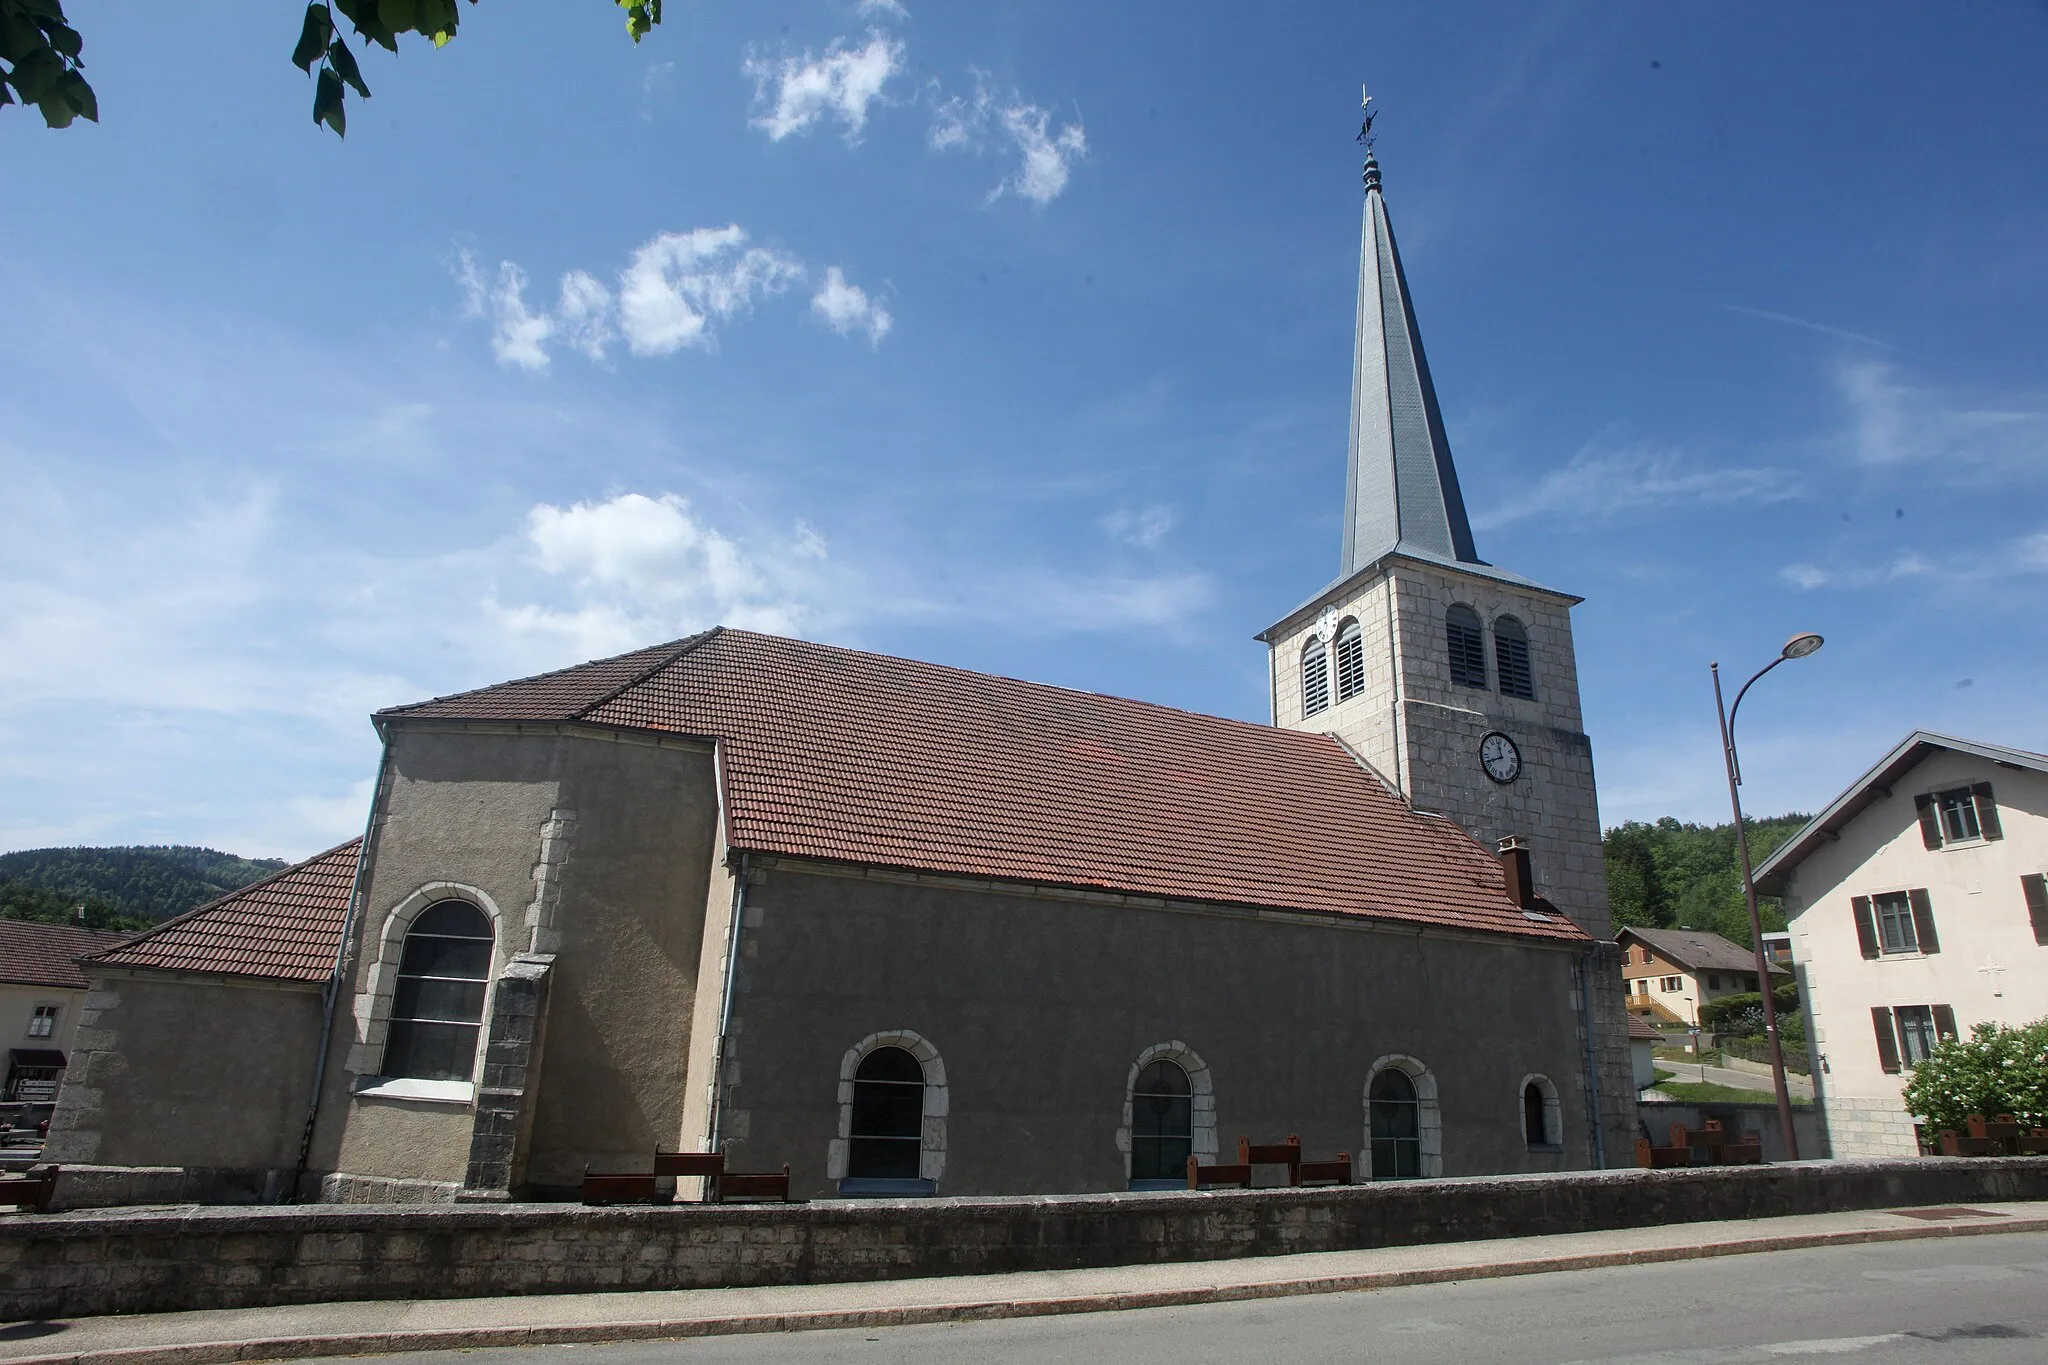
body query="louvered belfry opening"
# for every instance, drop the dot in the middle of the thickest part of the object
(1315, 677)
(1350, 660)
(1511, 659)
(1465, 640)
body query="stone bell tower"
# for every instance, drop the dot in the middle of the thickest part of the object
(1452, 678)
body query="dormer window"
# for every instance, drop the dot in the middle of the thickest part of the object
(1511, 659)
(1465, 641)
(1350, 660)
(1315, 677)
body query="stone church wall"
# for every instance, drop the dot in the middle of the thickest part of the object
(1038, 1008)
(592, 845)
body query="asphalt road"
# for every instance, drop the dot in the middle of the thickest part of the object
(1969, 1299)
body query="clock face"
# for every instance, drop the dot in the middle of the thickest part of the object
(1499, 756)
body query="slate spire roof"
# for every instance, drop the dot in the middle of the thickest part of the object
(839, 755)
(1402, 492)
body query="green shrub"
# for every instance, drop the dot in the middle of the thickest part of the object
(1742, 1016)
(2001, 1069)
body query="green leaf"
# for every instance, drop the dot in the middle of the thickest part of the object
(314, 37)
(641, 15)
(66, 42)
(327, 98)
(363, 14)
(397, 15)
(36, 74)
(69, 98)
(344, 63)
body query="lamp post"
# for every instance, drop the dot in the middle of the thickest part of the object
(1798, 647)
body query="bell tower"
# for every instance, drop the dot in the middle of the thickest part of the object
(1453, 679)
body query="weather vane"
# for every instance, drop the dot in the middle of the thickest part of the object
(1365, 134)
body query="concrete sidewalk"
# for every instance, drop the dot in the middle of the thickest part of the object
(356, 1328)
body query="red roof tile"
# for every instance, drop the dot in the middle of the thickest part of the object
(837, 754)
(283, 928)
(33, 954)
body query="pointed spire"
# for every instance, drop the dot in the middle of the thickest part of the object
(1402, 493)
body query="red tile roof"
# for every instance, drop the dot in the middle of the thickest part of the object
(283, 928)
(33, 954)
(1639, 1027)
(837, 754)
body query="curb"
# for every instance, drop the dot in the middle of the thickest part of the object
(472, 1338)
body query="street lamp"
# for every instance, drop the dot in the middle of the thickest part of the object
(1798, 647)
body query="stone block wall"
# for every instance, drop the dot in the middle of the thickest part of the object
(1866, 1127)
(188, 1259)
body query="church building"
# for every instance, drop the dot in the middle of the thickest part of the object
(914, 930)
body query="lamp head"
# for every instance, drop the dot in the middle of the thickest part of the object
(1799, 646)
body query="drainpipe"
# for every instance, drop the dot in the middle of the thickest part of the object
(1583, 969)
(732, 974)
(356, 894)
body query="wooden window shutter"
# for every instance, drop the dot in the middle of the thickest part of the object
(1944, 1022)
(2035, 887)
(1866, 926)
(1887, 1041)
(1987, 811)
(1930, 821)
(1923, 921)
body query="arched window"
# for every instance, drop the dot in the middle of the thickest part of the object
(1315, 677)
(1350, 660)
(1542, 1115)
(1162, 1123)
(1511, 659)
(1466, 640)
(1396, 1123)
(437, 1010)
(887, 1133)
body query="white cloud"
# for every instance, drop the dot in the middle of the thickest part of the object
(841, 85)
(2016, 558)
(984, 123)
(1599, 484)
(673, 295)
(888, 10)
(1893, 422)
(1143, 527)
(518, 337)
(847, 308)
(681, 282)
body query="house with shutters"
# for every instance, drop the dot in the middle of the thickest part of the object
(1668, 975)
(1918, 905)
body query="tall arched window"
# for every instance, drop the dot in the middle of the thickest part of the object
(1162, 1123)
(887, 1132)
(1350, 660)
(437, 1010)
(1396, 1122)
(1315, 677)
(1465, 640)
(1511, 658)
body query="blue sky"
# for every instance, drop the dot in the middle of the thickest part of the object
(1012, 336)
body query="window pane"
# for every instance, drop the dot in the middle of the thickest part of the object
(1916, 1033)
(1162, 1116)
(426, 955)
(890, 1064)
(1958, 814)
(1162, 1078)
(1160, 1158)
(460, 1002)
(1532, 1113)
(1895, 922)
(453, 919)
(887, 1109)
(870, 1158)
(431, 1052)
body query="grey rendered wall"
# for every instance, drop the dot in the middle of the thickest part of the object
(187, 1072)
(591, 844)
(1038, 1009)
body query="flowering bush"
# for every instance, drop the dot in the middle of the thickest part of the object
(2001, 1069)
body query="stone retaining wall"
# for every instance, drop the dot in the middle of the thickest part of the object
(163, 1260)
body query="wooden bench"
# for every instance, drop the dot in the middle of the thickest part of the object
(29, 1191)
(620, 1187)
(1288, 1154)
(721, 1186)
(735, 1187)
(2002, 1136)
(1202, 1177)
(1655, 1158)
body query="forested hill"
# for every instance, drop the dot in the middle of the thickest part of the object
(128, 884)
(1670, 875)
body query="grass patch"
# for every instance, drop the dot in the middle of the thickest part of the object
(1693, 1092)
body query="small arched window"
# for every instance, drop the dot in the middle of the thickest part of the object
(1396, 1123)
(1542, 1115)
(1350, 660)
(1465, 639)
(1315, 677)
(888, 1117)
(437, 1010)
(1532, 1115)
(1162, 1123)
(1511, 658)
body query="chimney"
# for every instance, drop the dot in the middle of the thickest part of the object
(1514, 860)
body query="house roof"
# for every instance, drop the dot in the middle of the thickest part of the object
(1697, 950)
(35, 954)
(837, 754)
(1775, 872)
(283, 928)
(1639, 1028)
